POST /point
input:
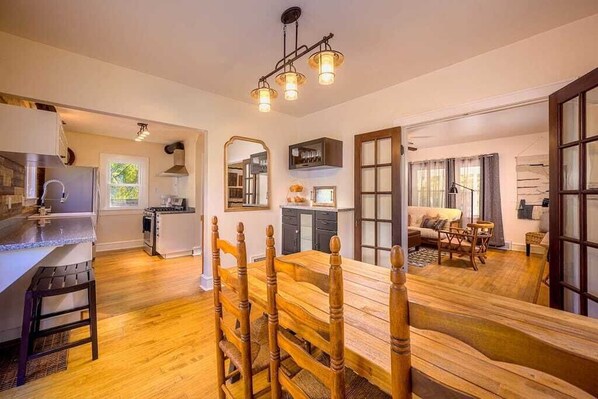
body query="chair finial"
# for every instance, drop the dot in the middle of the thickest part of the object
(214, 223)
(397, 258)
(269, 231)
(335, 245)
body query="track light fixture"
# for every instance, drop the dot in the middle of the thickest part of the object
(142, 133)
(325, 61)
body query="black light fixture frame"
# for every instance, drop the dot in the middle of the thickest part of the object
(288, 17)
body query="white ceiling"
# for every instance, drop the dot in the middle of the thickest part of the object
(119, 127)
(512, 122)
(224, 46)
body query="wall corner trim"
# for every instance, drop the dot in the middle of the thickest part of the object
(206, 283)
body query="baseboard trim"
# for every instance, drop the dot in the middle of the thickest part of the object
(116, 245)
(535, 249)
(206, 282)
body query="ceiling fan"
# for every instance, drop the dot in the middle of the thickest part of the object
(411, 146)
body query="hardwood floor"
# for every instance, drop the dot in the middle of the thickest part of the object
(506, 273)
(130, 280)
(156, 326)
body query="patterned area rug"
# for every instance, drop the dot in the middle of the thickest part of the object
(37, 368)
(423, 257)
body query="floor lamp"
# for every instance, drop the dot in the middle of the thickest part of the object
(454, 191)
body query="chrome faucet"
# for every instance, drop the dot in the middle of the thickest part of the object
(64, 194)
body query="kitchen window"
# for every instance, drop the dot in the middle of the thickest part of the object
(124, 181)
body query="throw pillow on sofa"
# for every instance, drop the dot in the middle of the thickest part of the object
(428, 222)
(440, 224)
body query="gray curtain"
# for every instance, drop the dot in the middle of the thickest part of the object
(491, 207)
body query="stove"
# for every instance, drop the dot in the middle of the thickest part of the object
(151, 226)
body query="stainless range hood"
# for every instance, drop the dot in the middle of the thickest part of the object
(179, 169)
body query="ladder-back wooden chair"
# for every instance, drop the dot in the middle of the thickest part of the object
(322, 371)
(472, 241)
(495, 340)
(246, 347)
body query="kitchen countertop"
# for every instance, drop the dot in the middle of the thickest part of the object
(56, 232)
(318, 208)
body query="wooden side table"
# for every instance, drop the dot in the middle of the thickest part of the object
(414, 239)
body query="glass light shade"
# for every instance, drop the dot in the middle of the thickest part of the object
(145, 133)
(290, 86)
(326, 68)
(264, 99)
(138, 138)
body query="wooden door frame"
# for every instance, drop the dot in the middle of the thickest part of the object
(572, 90)
(396, 188)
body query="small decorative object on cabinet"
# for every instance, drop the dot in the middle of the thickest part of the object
(320, 153)
(295, 194)
(305, 228)
(324, 196)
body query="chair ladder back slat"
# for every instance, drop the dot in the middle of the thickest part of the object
(227, 248)
(503, 343)
(302, 274)
(305, 360)
(400, 344)
(301, 315)
(229, 306)
(231, 336)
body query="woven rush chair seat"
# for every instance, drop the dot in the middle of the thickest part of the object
(534, 237)
(356, 387)
(260, 354)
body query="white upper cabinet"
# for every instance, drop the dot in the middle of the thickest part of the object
(32, 136)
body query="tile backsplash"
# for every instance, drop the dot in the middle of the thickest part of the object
(12, 188)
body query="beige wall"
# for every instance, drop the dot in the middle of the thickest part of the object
(508, 148)
(124, 227)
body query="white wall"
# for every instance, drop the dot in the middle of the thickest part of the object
(508, 148)
(553, 56)
(38, 71)
(42, 72)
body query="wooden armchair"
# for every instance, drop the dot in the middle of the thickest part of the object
(472, 241)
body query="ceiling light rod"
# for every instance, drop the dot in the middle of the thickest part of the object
(288, 61)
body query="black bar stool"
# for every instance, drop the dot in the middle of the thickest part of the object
(52, 281)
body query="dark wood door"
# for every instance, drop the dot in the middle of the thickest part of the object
(377, 195)
(290, 239)
(323, 240)
(574, 196)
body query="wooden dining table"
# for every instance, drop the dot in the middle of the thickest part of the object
(436, 358)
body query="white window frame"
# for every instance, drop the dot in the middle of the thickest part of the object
(142, 162)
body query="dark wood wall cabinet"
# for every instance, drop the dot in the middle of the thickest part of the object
(316, 154)
(305, 229)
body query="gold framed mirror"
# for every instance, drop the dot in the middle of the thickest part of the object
(246, 175)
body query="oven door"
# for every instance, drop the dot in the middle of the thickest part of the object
(148, 232)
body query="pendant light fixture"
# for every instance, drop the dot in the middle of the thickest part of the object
(325, 60)
(143, 132)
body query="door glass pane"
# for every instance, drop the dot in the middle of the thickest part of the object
(368, 255)
(592, 271)
(385, 178)
(384, 206)
(592, 218)
(571, 301)
(570, 205)
(384, 258)
(368, 204)
(592, 112)
(368, 179)
(592, 309)
(570, 168)
(384, 150)
(367, 233)
(384, 235)
(592, 165)
(306, 231)
(368, 153)
(571, 263)
(570, 116)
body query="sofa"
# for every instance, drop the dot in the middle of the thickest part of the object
(416, 214)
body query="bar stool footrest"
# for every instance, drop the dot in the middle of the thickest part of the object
(60, 348)
(62, 328)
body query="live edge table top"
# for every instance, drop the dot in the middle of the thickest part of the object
(434, 355)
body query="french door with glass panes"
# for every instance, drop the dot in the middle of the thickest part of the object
(574, 196)
(377, 195)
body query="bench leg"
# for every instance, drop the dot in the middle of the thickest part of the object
(93, 319)
(25, 339)
(527, 249)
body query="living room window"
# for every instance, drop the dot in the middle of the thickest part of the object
(468, 173)
(428, 183)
